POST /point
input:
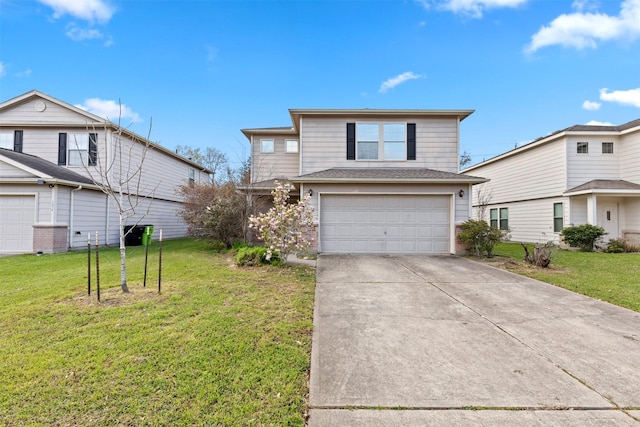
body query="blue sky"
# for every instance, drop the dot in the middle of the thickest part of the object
(202, 70)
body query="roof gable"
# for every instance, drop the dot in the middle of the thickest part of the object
(631, 126)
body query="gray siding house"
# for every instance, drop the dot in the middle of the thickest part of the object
(51, 156)
(381, 181)
(578, 175)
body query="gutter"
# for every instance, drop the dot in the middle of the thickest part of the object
(71, 214)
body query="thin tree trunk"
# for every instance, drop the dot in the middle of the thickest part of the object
(123, 255)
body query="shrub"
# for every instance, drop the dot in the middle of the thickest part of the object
(214, 211)
(583, 236)
(478, 237)
(618, 246)
(252, 256)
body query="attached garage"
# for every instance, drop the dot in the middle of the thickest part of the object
(17, 215)
(385, 223)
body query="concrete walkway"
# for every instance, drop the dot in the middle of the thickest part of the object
(416, 340)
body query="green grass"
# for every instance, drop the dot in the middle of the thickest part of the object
(220, 346)
(609, 277)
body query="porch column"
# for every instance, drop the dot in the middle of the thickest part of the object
(592, 209)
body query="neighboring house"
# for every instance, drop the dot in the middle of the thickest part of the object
(381, 181)
(579, 175)
(50, 150)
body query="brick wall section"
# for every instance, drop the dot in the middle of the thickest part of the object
(50, 239)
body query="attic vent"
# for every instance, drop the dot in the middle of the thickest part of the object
(40, 106)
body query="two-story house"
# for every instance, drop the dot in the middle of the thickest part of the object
(52, 154)
(579, 175)
(380, 181)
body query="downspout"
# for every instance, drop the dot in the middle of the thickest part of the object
(71, 215)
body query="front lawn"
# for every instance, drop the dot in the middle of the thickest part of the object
(220, 346)
(609, 277)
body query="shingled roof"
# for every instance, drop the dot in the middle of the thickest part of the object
(45, 167)
(391, 175)
(605, 184)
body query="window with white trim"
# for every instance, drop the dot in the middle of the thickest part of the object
(504, 218)
(381, 141)
(291, 146)
(607, 148)
(583, 148)
(558, 217)
(6, 140)
(78, 149)
(266, 145)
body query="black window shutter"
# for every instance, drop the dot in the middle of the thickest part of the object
(17, 141)
(62, 148)
(93, 149)
(411, 141)
(351, 141)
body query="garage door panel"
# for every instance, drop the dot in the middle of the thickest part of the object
(16, 227)
(385, 223)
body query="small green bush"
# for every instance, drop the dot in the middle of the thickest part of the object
(252, 256)
(478, 236)
(218, 246)
(619, 246)
(583, 236)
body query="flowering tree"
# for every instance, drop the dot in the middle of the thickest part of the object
(283, 227)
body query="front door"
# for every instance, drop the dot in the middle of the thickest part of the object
(608, 219)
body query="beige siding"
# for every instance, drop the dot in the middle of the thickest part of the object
(26, 113)
(9, 171)
(278, 164)
(630, 157)
(323, 143)
(537, 173)
(532, 220)
(585, 167)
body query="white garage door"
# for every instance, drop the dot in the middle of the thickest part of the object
(385, 224)
(16, 223)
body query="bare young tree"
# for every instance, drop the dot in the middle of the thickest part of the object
(483, 200)
(465, 159)
(117, 169)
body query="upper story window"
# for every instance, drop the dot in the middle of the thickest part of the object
(381, 141)
(607, 148)
(583, 148)
(6, 140)
(78, 149)
(291, 146)
(266, 145)
(11, 140)
(192, 176)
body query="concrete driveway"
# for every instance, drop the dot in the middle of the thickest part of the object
(417, 340)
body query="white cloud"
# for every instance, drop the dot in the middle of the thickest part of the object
(591, 105)
(87, 10)
(3, 69)
(583, 30)
(597, 123)
(625, 97)
(110, 110)
(25, 73)
(78, 34)
(397, 80)
(472, 8)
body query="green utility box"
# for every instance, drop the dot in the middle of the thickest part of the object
(148, 231)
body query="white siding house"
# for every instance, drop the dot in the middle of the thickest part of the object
(582, 174)
(53, 154)
(380, 181)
